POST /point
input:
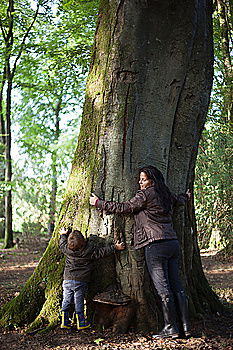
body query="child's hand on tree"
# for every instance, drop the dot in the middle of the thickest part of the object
(63, 231)
(120, 245)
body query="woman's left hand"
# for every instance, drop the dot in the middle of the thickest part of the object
(93, 199)
(120, 245)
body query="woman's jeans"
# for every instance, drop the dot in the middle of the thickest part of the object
(74, 292)
(162, 259)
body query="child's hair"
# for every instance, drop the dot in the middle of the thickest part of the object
(76, 240)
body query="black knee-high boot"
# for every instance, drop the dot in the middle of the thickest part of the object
(183, 312)
(170, 329)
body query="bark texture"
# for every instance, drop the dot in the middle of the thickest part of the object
(146, 100)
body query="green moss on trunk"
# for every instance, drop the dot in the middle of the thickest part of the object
(41, 292)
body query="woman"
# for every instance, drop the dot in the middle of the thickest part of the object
(153, 230)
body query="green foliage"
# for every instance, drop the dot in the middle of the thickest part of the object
(32, 228)
(50, 85)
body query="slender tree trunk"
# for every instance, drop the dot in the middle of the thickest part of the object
(146, 101)
(2, 158)
(223, 8)
(10, 65)
(8, 171)
(225, 33)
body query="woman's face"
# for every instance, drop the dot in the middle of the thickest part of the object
(144, 182)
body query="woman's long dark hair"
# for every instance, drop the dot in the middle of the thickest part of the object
(159, 184)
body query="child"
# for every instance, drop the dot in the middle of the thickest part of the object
(79, 264)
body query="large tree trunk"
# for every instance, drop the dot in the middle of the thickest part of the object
(54, 165)
(53, 194)
(146, 101)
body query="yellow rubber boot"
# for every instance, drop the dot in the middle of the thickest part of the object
(81, 322)
(65, 321)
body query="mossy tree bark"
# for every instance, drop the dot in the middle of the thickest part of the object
(54, 167)
(146, 100)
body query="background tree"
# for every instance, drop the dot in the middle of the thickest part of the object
(214, 164)
(146, 101)
(11, 21)
(50, 82)
(55, 55)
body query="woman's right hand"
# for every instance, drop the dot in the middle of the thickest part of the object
(93, 199)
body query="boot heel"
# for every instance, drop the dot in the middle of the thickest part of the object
(187, 334)
(183, 312)
(170, 329)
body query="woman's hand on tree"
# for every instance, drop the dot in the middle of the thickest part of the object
(93, 199)
(120, 245)
(188, 194)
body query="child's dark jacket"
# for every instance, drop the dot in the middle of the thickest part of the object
(79, 264)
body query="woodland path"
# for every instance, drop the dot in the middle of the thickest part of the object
(215, 332)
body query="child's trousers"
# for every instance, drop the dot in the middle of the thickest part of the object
(74, 292)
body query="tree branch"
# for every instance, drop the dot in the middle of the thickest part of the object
(24, 39)
(3, 32)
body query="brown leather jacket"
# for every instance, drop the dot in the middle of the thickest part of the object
(151, 221)
(80, 263)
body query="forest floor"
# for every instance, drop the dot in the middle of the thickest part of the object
(214, 332)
